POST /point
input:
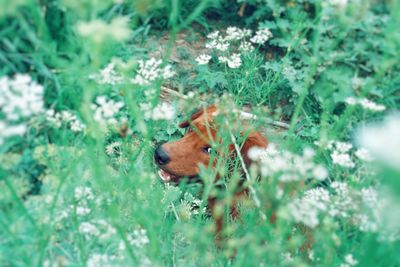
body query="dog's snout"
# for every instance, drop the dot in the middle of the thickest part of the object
(161, 156)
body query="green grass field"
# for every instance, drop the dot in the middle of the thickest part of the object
(88, 90)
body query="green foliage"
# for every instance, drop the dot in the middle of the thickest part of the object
(79, 186)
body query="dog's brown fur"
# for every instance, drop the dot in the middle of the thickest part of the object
(190, 152)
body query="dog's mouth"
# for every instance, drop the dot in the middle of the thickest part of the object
(167, 177)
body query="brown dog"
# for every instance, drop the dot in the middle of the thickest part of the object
(183, 158)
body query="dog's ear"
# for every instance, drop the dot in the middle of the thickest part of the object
(197, 113)
(254, 139)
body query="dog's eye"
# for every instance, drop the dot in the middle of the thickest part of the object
(207, 150)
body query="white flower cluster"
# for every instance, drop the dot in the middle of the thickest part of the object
(367, 209)
(365, 103)
(319, 201)
(105, 111)
(83, 195)
(113, 148)
(261, 36)
(108, 75)
(236, 34)
(349, 261)
(97, 228)
(137, 239)
(364, 155)
(341, 154)
(88, 228)
(306, 210)
(233, 60)
(382, 140)
(246, 46)
(288, 166)
(100, 31)
(151, 70)
(217, 42)
(357, 82)
(203, 59)
(163, 111)
(342, 203)
(101, 260)
(338, 3)
(20, 99)
(233, 39)
(57, 119)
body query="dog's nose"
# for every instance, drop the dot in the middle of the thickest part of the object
(161, 156)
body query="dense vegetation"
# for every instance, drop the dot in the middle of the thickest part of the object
(89, 88)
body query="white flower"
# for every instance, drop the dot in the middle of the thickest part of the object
(81, 210)
(138, 238)
(218, 44)
(286, 257)
(167, 72)
(99, 31)
(213, 35)
(368, 104)
(108, 75)
(57, 119)
(305, 211)
(343, 202)
(77, 126)
(351, 101)
(320, 172)
(106, 110)
(235, 34)
(364, 155)
(99, 260)
(343, 147)
(203, 59)
(261, 36)
(342, 159)
(340, 153)
(150, 71)
(365, 103)
(349, 261)
(233, 61)
(88, 228)
(162, 111)
(23, 98)
(107, 230)
(279, 193)
(83, 192)
(20, 99)
(382, 140)
(246, 46)
(339, 3)
(286, 165)
(113, 148)
(357, 82)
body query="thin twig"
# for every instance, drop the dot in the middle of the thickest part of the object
(173, 92)
(243, 114)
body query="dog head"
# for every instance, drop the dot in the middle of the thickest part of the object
(183, 158)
